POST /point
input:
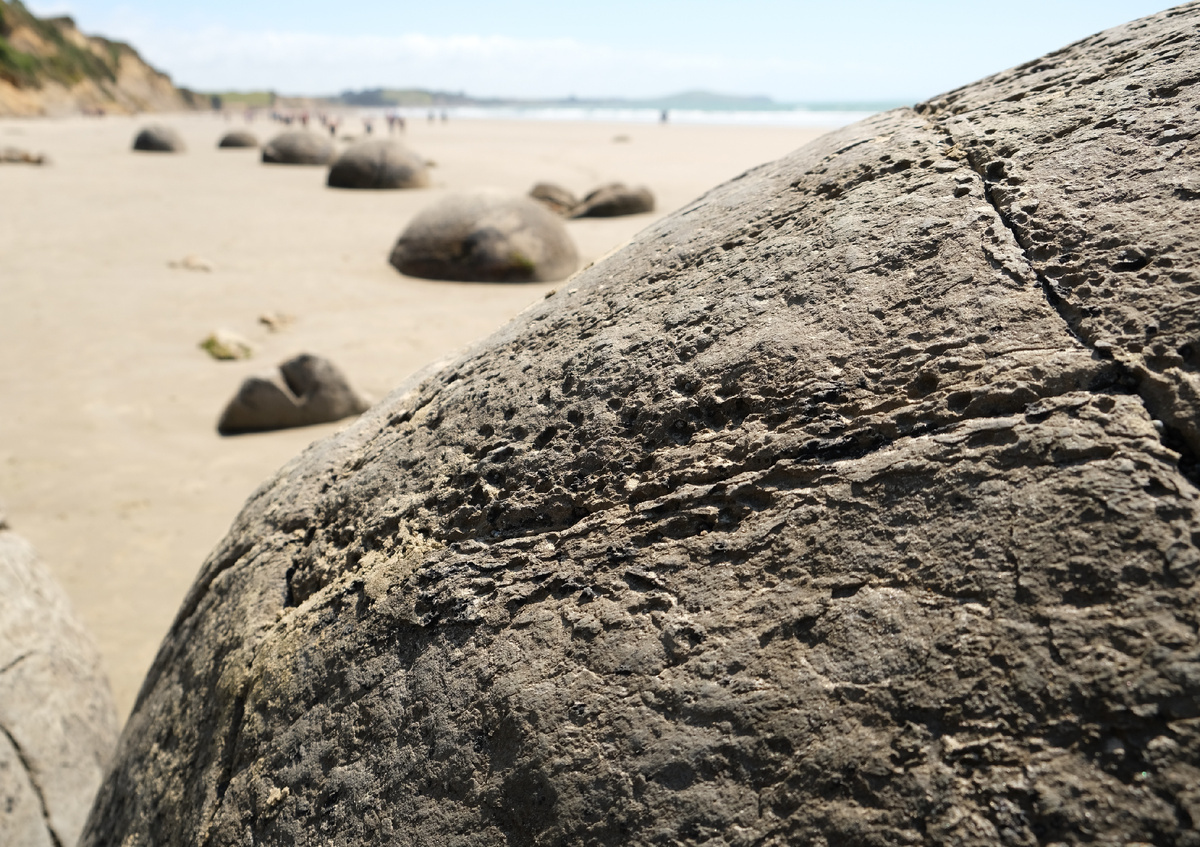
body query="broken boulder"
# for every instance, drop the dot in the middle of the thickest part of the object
(554, 197)
(306, 390)
(614, 200)
(854, 503)
(487, 236)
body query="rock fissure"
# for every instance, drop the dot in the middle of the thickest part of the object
(1189, 462)
(33, 783)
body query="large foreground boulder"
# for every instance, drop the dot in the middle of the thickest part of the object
(306, 390)
(379, 163)
(298, 147)
(855, 503)
(159, 139)
(58, 726)
(487, 236)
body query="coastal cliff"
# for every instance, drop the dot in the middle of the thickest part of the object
(48, 67)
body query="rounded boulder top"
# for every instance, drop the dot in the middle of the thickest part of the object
(238, 138)
(379, 163)
(159, 139)
(298, 147)
(488, 236)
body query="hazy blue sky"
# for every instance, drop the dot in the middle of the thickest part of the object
(793, 51)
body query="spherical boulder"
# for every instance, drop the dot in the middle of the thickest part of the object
(306, 390)
(159, 139)
(379, 163)
(58, 726)
(487, 236)
(238, 139)
(554, 197)
(855, 503)
(614, 200)
(298, 147)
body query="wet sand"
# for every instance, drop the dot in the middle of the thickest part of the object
(110, 463)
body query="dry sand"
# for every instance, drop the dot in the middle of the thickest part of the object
(110, 463)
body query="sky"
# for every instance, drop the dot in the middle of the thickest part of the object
(795, 51)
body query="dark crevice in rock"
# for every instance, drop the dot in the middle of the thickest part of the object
(1189, 462)
(37, 789)
(15, 662)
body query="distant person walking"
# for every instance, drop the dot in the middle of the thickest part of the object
(664, 116)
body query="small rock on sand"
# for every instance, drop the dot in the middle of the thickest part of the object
(16, 156)
(191, 262)
(224, 345)
(276, 321)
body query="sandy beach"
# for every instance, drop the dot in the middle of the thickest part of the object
(110, 463)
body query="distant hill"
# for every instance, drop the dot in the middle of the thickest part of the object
(48, 67)
(699, 100)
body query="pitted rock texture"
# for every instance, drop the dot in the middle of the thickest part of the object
(305, 390)
(814, 516)
(58, 726)
(486, 236)
(298, 147)
(159, 139)
(379, 164)
(238, 139)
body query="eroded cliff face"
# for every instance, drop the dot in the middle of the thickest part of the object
(854, 503)
(48, 67)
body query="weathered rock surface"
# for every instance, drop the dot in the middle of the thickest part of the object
(159, 139)
(306, 390)
(298, 147)
(58, 726)
(851, 504)
(487, 236)
(554, 197)
(611, 201)
(238, 139)
(379, 163)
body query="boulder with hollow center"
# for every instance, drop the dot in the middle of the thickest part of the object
(306, 390)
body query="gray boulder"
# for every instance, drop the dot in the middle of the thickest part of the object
(379, 163)
(306, 390)
(614, 200)
(554, 197)
(854, 503)
(238, 139)
(159, 139)
(58, 726)
(298, 147)
(488, 236)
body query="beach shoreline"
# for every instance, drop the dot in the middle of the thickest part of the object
(110, 464)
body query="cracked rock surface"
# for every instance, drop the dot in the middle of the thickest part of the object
(58, 726)
(832, 510)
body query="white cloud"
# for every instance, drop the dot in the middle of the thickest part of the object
(216, 58)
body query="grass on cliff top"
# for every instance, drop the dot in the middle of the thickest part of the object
(65, 64)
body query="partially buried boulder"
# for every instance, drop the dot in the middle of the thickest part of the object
(614, 200)
(58, 726)
(854, 503)
(238, 139)
(554, 197)
(307, 390)
(487, 236)
(379, 163)
(159, 139)
(298, 147)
